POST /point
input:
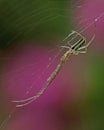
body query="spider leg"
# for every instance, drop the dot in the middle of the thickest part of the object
(24, 100)
(84, 47)
(82, 51)
(70, 34)
(66, 47)
(68, 43)
(80, 35)
(25, 103)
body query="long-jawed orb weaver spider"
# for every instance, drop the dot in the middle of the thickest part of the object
(80, 46)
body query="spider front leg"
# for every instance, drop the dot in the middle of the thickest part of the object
(86, 46)
(83, 52)
(77, 52)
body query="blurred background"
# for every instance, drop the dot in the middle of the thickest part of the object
(31, 34)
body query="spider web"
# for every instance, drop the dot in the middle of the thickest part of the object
(21, 21)
(18, 26)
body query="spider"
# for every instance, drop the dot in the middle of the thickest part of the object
(80, 46)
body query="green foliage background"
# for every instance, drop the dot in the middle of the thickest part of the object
(33, 20)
